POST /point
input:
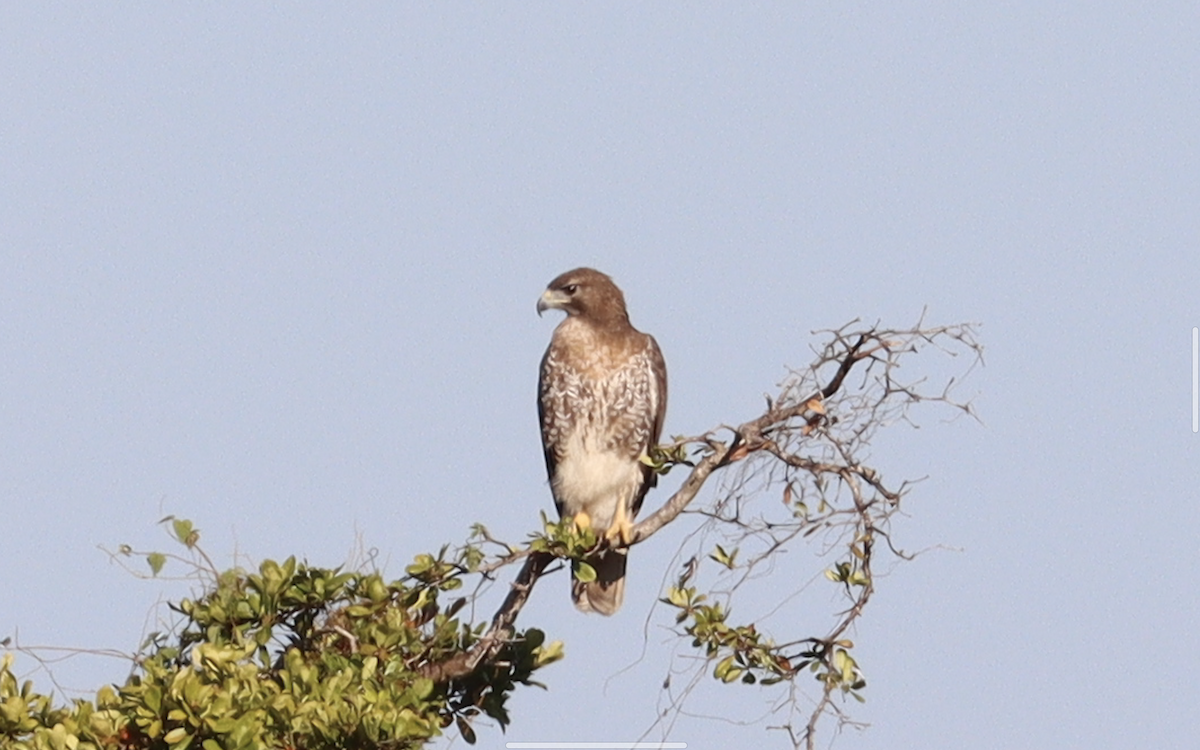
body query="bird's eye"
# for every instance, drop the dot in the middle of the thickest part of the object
(570, 289)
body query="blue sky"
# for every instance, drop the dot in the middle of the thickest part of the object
(273, 268)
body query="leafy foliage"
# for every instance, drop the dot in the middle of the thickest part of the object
(743, 653)
(293, 656)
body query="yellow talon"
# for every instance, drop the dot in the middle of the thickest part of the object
(582, 521)
(622, 527)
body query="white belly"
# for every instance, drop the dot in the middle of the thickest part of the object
(596, 482)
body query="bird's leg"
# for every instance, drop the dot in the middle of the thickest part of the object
(582, 521)
(622, 526)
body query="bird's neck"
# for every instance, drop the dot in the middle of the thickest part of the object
(598, 332)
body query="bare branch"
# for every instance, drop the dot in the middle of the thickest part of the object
(807, 442)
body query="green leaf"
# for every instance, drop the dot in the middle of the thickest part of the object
(422, 688)
(584, 573)
(844, 663)
(263, 636)
(156, 561)
(725, 558)
(377, 591)
(535, 637)
(421, 564)
(549, 653)
(183, 531)
(723, 668)
(678, 597)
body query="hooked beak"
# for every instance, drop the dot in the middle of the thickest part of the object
(550, 300)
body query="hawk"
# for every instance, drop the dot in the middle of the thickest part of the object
(602, 396)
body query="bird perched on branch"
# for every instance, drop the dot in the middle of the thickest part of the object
(602, 396)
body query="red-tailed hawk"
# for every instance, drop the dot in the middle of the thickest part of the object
(602, 395)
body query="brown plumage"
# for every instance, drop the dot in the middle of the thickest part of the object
(602, 396)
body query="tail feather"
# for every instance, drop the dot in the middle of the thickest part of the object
(605, 594)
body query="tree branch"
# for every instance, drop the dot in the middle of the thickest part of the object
(501, 630)
(747, 438)
(808, 439)
(684, 495)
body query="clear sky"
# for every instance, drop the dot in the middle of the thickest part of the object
(273, 268)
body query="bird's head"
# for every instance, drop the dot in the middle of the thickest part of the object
(585, 292)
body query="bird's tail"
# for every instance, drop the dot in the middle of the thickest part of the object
(605, 594)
